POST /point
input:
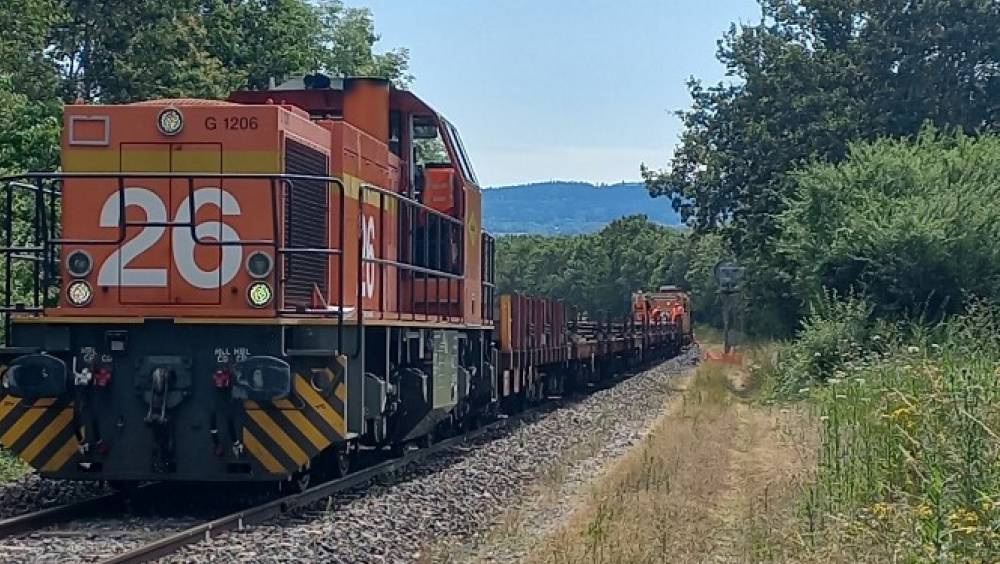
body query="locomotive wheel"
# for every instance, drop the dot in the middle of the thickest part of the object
(298, 483)
(342, 464)
(301, 480)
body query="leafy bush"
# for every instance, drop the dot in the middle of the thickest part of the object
(910, 224)
(837, 331)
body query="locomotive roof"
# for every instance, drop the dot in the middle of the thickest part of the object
(321, 91)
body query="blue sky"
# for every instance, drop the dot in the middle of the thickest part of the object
(560, 89)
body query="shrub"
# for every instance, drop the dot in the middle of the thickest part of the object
(910, 224)
(836, 331)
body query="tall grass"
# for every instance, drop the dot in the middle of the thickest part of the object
(910, 458)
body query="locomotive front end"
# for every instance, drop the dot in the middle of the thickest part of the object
(162, 357)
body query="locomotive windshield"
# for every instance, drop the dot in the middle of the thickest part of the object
(463, 156)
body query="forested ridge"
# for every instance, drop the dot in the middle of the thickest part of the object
(567, 208)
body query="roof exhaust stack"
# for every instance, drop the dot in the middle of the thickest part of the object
(366, 105)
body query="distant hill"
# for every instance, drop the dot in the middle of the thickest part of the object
(551, 208)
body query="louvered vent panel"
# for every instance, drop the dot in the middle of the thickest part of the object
(306, 202)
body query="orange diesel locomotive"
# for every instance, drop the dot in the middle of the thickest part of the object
(670, 307)
(244, 290)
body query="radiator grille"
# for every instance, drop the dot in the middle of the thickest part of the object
(306, 205)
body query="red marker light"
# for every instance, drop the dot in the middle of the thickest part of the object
(102, 377)
(222, 378)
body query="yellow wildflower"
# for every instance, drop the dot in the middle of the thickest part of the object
(901, 414)
(923, 511)
(963, 518)
(881, 510)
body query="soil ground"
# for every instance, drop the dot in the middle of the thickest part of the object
(714, 480)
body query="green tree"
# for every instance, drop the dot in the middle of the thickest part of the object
(267, 39)
(26, 26)
(124, 51)
(350, 41)
(597, 273)
(29, 130)
(121, 51)
(909, 224)
(809, 78)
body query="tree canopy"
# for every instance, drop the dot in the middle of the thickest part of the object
(911, 225)
(808, 79)
(123, 51)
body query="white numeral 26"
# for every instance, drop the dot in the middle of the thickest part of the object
(115, 270)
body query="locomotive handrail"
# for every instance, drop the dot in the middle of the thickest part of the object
(428, 274)
(34, 250)
(415, 268)
(38, 243)
(415, 203)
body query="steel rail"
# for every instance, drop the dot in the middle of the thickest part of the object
(31, 522)
(239, 520)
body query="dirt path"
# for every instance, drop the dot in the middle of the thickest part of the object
(713, 480)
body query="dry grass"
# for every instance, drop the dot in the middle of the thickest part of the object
(715, 482)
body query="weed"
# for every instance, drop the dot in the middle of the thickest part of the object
(11, 467)
(910, 447)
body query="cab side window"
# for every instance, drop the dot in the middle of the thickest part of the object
(428, 146)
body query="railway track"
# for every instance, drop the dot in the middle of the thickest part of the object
(160, 541)
(240, 520)
(38, 521)
(30, 522)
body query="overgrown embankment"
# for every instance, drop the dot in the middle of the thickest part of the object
(909, 462)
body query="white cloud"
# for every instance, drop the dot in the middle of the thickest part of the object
(505, 166)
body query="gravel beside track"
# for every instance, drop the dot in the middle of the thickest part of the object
(31, 492)
(95, 538)
(456, 496)
(451, 498)
(90, 541)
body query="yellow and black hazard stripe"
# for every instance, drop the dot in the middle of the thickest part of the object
(284, 435)
(39, 431)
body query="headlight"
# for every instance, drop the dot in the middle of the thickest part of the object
(79, 293)
(79, 264)
(259, 264)
(170, 121)
(259, 294)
